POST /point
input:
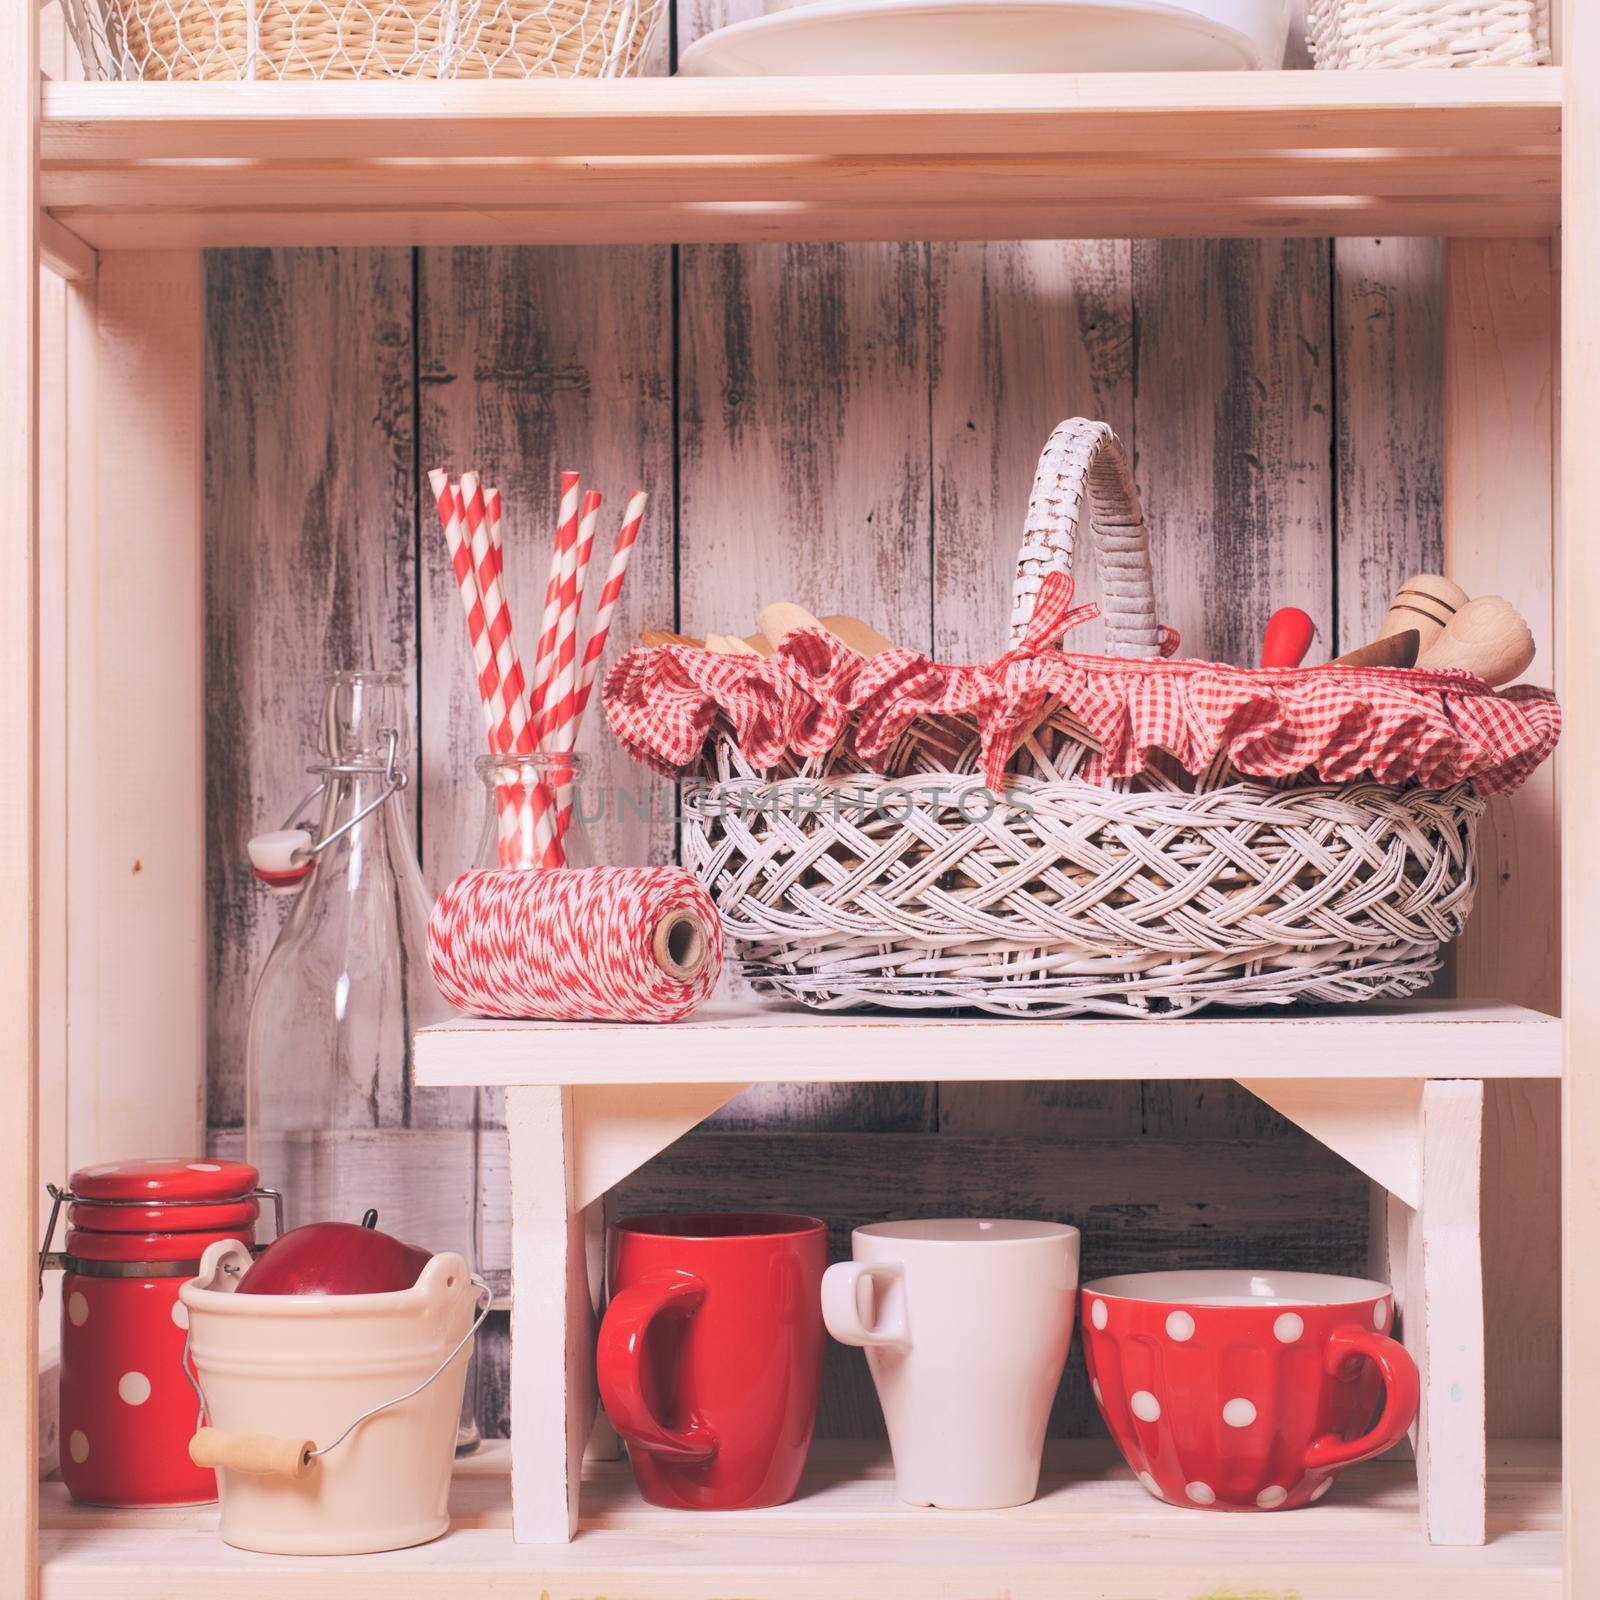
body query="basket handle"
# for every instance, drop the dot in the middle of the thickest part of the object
(1084, 462)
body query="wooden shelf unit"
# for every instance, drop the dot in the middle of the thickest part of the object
(96, 178)
(1092, 1530)
(167, 166)
(747, 1042)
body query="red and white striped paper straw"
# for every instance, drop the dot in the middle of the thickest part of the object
(515, 805)
(562, 717)
(506, 683)
(509, 704)
(561, 655)
(621, 554)
(491, 505)
(559, 712)
(477, 626)
(466, 585)
(545, 654)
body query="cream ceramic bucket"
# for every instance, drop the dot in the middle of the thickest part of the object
(285, 1375)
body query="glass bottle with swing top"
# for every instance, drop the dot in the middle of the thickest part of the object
(332, 1114)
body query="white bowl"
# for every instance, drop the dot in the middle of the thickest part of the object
(807, 38)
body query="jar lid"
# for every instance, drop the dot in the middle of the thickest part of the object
(85, 1245)
(162, 1180)
(193, 1216)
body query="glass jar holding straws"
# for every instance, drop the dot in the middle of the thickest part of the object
(531, 776)
(525, 801)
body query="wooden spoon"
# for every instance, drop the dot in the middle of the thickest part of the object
(1487, 636)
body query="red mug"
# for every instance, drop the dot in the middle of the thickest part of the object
(710, 1354)
(1245, 1391)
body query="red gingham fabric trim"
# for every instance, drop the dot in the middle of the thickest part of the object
(1434, 728)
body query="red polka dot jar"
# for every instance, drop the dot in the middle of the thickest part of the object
(135, 1231)
(1245, 1391)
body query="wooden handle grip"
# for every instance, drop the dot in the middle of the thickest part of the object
(1393, 650)
(262, 1454)
(1289, 634)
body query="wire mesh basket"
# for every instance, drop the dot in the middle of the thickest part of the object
(307, 39)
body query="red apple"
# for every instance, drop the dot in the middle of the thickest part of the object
(335, 1258)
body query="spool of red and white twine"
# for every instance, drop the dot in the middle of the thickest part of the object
(541, 712)
(604, 944)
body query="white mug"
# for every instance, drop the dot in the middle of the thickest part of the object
(966, 1324)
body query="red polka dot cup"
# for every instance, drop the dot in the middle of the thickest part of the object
(1245, 1391)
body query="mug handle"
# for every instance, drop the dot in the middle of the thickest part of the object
(619, 1357)
(1402, 1390)
(841, 1305)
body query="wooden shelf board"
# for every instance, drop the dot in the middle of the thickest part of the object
(729, 1042)
(1107, 154)
(1092, 1530)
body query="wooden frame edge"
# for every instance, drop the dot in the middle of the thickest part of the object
(1580, 558)
(19, 757)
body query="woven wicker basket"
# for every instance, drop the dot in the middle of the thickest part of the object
(1429, 33)
(301, 39)
(917, 887)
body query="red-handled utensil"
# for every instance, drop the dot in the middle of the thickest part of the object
(1288, 637)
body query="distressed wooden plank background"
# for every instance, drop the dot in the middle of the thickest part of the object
(854, 427)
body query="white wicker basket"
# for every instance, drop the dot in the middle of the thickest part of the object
(1429, 33)
(916, 887)
(301, 39)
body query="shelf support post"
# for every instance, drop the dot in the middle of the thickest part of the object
(552, 1317)
(1422, 1142)
(567, 1146)
(1433, 1256)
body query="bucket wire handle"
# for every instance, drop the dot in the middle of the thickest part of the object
(485, 1301)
